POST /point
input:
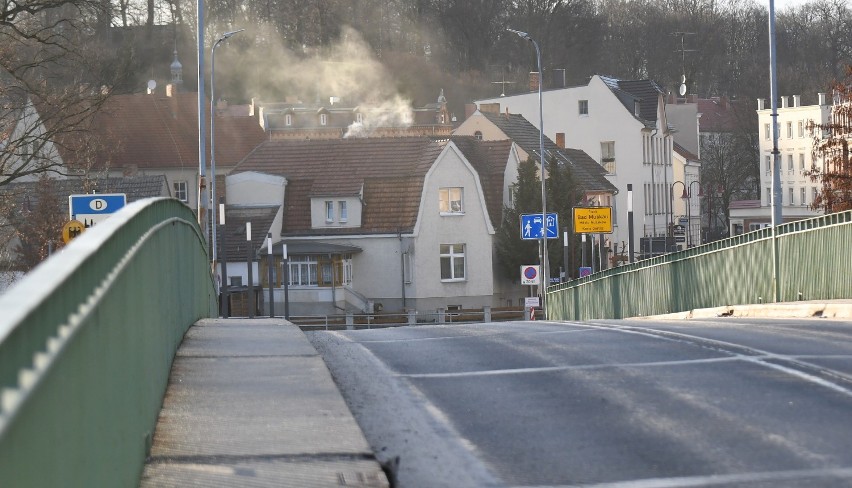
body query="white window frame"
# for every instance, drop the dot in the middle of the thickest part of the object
(792, 195)
(329, 211)
(790, 165)
(359, 118)
(450, 253)
(181, 187)
(802, 162)
(801, 129)
(288, 120)
(789, 130)
(323, 119)
(342, 211)
(608, 156)
(303, 271)
(804, 194)
(451, 200)
(766, 131)
(583, 108)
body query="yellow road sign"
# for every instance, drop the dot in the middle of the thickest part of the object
(72, 229)
(593, 220)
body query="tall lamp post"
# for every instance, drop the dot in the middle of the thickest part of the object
(543, 262)
(684, 196)
(213, 136)
(689, 211)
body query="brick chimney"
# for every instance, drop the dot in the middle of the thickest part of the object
(535, 79)
(469, 109)
(491, 108)
(560, 140)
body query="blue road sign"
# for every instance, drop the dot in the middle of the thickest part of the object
(532, 228)
(91, 209)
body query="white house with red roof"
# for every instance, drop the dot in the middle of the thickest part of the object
(381, 223)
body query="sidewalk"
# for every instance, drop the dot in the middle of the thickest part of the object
(251, 403)
(837, 309)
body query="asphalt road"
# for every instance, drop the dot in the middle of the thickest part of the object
(632, 404)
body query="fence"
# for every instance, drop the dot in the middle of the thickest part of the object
(399, 319)
(86, 345)
(813, 263)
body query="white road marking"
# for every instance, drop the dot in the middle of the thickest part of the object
(548, 369)
(718, 479)
(472, 336)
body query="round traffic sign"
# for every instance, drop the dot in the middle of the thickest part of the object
(530, 272)
(72, 229)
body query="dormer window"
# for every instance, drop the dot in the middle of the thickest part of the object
(288, 120)
(359, 118)
(329, 211)
(323, 119)
(450, 201)
(477, 135)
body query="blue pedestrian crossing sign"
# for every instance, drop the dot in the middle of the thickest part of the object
(91, 209)
(532, 228)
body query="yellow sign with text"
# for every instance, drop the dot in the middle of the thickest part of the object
(593, 220)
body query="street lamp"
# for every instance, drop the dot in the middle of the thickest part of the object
(213, 136)
(685, 196)
(543, 262)
(689, 211)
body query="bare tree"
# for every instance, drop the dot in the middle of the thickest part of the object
(831, 148)
(52, 80)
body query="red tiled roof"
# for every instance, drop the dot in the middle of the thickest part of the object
(489, 159)
(685, 152)
(391, 171)
(721, 115)
(155, 131)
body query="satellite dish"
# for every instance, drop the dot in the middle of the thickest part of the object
(152, 84)
(682, 89)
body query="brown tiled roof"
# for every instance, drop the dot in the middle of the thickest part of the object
(135, 187)
(261, 218)
(590, 176)
(155, 131)
(684, 152)
(391, 171)
(489, 159)
(722, 115)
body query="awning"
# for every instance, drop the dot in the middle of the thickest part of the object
(303, 247)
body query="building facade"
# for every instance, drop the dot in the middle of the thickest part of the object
(622, 124)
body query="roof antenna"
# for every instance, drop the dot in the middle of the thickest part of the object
(683, 51)
(502, 81)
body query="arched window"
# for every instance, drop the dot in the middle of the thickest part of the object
(477, 135)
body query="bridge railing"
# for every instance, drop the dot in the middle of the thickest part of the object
(814, 263)
(86, 345)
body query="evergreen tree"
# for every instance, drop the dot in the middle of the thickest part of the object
(512, 251)
(562, 195)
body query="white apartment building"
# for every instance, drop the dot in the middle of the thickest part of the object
(795, 146)
(623, 125)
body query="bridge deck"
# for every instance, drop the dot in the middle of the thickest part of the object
(251, 403)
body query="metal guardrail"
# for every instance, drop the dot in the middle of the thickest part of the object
(814, 263)
(413, 318)
(86, 346)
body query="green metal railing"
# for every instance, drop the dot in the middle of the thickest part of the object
(814, 263)
(86, 346)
